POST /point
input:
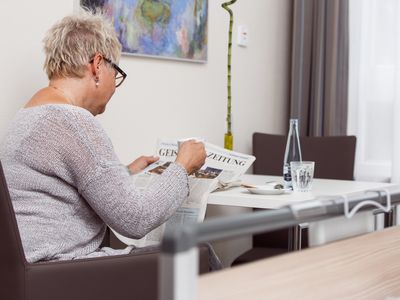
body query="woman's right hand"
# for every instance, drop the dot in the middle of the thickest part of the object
(191, 155)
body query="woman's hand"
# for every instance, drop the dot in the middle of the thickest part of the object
(141, 163)
(191, 155)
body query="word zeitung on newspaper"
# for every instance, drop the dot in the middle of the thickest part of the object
(222, 169)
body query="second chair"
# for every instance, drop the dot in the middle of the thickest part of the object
(334, 159)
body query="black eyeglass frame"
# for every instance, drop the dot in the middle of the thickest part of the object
(118, 69)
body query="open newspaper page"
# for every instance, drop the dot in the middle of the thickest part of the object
(221, 169)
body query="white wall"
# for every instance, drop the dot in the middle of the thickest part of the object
(163, 98)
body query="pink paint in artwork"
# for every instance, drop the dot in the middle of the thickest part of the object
(182, 37)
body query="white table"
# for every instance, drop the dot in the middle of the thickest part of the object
(239, 196)
(239, 200)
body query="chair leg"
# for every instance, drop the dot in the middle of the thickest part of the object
(295, 236)
(390, 217)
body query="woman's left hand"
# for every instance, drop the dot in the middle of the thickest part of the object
(141, 163)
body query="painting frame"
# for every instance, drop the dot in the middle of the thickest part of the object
(162, 29)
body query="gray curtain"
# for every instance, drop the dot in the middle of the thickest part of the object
(319, 79)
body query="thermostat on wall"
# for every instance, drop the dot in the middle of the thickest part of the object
(242, 36)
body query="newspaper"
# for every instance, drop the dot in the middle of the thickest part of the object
(222, 169)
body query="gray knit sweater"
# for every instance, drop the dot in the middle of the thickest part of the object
(66, 184)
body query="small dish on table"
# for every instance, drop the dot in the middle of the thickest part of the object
(271, 188)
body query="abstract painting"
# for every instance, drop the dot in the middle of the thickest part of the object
(173, 29)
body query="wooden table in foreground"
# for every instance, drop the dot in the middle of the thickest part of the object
(364, 267)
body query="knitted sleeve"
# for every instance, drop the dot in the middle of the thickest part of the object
(86, 158)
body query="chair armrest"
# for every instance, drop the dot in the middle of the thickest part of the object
(133, 276)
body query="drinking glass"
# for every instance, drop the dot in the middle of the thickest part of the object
(302, 175)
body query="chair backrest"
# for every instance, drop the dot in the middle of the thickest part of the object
(333, 155)
(12, 258)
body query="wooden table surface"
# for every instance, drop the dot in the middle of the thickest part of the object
(364, 267)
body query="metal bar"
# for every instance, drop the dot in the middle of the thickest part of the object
(178, 268)
(291, 238)
(389, 218)
(303, 227)
(295, 238)
(379, 222)
(395, 215)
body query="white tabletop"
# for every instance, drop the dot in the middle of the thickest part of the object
(239, 196)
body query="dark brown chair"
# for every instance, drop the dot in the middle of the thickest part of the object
(269, 151)
(132, 276)
(326, 151)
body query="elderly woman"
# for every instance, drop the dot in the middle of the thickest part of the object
(65, 180)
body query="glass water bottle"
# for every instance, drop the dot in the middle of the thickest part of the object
(292, 152)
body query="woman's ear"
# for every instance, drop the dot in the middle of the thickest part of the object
(95, 65)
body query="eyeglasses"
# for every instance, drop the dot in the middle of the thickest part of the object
(120, 75)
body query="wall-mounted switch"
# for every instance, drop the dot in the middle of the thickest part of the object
(242, 36)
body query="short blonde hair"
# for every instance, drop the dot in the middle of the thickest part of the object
(71, 43)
